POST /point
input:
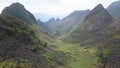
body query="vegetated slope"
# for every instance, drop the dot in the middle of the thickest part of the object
(65, 25)
(41, 34)
(24, 45)
(20, 47)
(99, 29)
(109, 47)
(44, 26)
(114, 10)
(18, 10)
(18, 42)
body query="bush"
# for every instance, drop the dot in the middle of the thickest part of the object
(45, 44)
(35, 49)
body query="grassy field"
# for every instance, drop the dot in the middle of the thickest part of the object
(83, 57)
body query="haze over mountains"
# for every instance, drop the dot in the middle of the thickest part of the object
(45, 17)
(113, 9)
(83, 39)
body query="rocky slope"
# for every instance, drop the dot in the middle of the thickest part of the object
(96, 20)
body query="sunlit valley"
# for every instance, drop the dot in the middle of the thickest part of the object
(83, 39)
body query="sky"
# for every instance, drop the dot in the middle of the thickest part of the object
(56, 7)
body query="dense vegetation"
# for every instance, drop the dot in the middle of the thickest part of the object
(15, 38)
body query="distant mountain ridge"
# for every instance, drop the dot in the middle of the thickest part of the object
(114, 9)
(68, 23)
(46, 17)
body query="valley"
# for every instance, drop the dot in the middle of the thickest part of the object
(83, 39)
(83, 57)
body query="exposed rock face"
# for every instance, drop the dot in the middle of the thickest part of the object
(95, 21)
(98, 19)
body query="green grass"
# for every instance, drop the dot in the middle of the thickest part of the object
(6, 64)
(83, 57)
(47, 56)
(41, 34)
(12, 64)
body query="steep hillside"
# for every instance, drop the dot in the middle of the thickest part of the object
(18, 10)
(96, 20)
(21, 48)
(114, 10)
(29, 19)
(68, 23)
(46, 26)
(18, 42)
(41, 33)
(99, 29)
(42, 24)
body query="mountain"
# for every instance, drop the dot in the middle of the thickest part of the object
(27, 46)
(42, 16)
(100, 30)
(21, 48)
(18, 10)
(29, 19)
(68, 23)
(95, 21)
(43, 26)
(52, 21)
(17, 42)
(45, 17)
(114, 10)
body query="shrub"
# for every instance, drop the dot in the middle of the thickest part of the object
(35, 49)
(45, 44)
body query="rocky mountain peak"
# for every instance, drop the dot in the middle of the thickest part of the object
(17, 4)
(97, 19)
(98, 9)
(57, 19)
